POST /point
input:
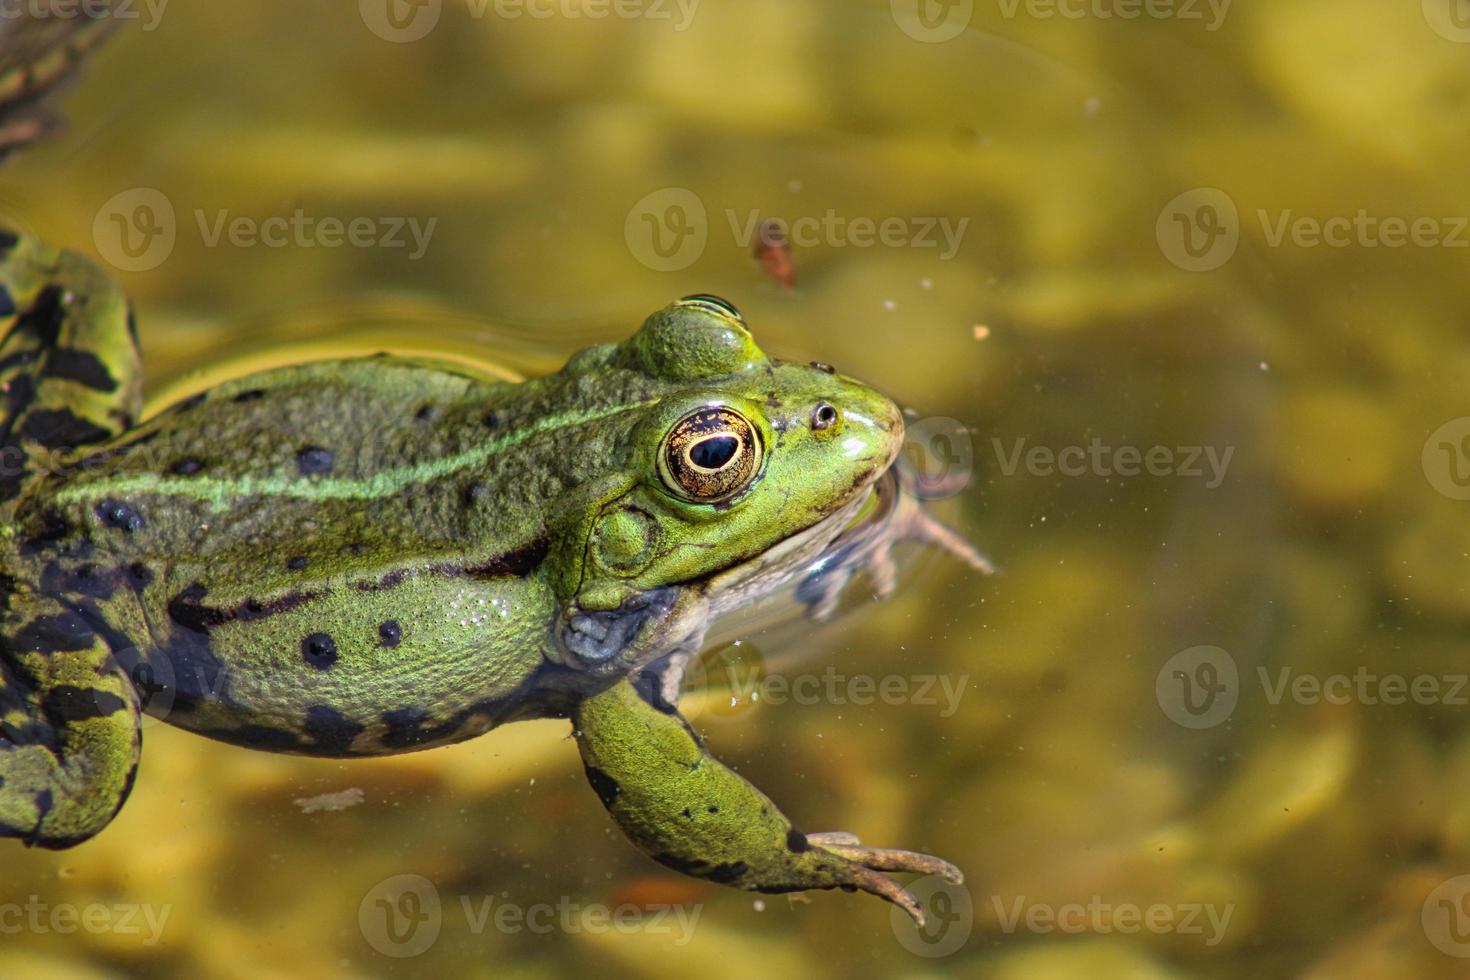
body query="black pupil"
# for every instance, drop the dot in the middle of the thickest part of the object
(715, 452)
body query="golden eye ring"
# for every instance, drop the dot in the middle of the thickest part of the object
(710, 455)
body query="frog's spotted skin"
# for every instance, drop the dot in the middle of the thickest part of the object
(375, 555)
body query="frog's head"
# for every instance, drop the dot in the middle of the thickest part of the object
(741, 471)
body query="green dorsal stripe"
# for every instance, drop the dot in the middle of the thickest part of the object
(218, 492)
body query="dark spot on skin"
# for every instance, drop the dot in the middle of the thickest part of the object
(311, 460)
(824, 416)
(495, 419)
(8, 240)
(476, 494)
(115, 513)
(59, 428)
(83, 367)
(606, 787)
(7, 303)
(427, 413)
(140, 575)
(405, 727)
(297, 564)
(43, 320)
(720, 873)
(251, 395)
(687, 814)
(64, 632)
(319, 650)
(796, 841)
(330, 731)
(67, 703)
(186, 467)
(261, 737)
(824, 368)
(390, 633)
(714, 809)
(186, 609)
(53, 529)
(193, 401)
(87, 579)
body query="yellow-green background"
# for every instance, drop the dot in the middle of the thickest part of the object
(1059, 779)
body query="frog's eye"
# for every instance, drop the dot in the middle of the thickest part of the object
(710, 455)
(712, 304)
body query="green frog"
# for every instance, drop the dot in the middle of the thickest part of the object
(382, 554)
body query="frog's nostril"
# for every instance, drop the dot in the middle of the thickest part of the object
(824, 416)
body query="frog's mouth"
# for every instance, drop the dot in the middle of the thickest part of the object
(742, 584)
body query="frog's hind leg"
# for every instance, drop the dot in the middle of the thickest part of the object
(69, 366)
(686, 810)
(69, 727)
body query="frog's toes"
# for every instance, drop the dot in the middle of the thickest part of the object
(868, 863)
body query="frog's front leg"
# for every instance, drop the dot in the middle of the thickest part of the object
(69, 727)
(686, 810)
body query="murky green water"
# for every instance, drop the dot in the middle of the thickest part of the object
(1192, 282)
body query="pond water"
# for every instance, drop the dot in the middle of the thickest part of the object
(1173, 294)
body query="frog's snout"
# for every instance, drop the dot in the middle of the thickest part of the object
(871, 429)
